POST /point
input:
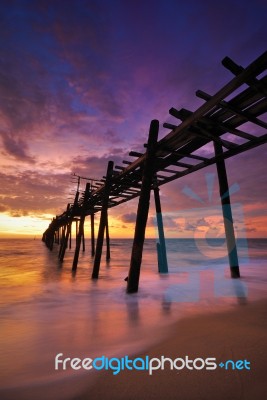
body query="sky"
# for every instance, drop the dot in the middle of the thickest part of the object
(80, 82)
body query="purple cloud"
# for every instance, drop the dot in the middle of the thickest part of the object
(129, 218)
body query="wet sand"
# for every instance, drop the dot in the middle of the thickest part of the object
(239, 334)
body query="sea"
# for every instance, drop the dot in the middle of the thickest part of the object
(46, 309)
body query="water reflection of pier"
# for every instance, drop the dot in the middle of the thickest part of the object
(179, 153)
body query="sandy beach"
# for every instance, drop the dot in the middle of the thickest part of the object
(239, 334)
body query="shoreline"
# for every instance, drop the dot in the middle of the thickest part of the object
(237, 334)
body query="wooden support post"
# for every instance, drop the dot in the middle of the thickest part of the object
(65, 240)
(93, 234)
(63, 234)
(55, 235)
(142, 211)
(107, 241)
(227, 212)
(51, 240)
(70, 235)
(103, 221)
(83, 239)
(80, 232)
(62, 241)
(161, 246)
(76, 228)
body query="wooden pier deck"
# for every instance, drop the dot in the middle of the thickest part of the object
(217, 122)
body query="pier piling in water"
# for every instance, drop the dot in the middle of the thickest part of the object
(80, 231)
(227, 212)
(70, 213)
(83, 239)
(60, 234)
(107, 241)
(70, 235)
(57, 235)
(65, 239)
(76, 228)
(143, 208)
(93, 234)
(103, 221)
(161, 246)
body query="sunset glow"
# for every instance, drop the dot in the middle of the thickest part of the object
(80, 82)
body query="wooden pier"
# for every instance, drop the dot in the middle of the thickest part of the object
(168, 159)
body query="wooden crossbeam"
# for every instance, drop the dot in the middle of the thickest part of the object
(255, 68)
(182, 164)
(135, 154)
(169, 126)
(170, 171)
(226, 105)
(237, 70)
(227, 154)
(202, 127)
(112, 197)
(182, 155)
(130, 190)
(227, 128)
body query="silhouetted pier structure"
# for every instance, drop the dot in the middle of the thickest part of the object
(217, 121)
